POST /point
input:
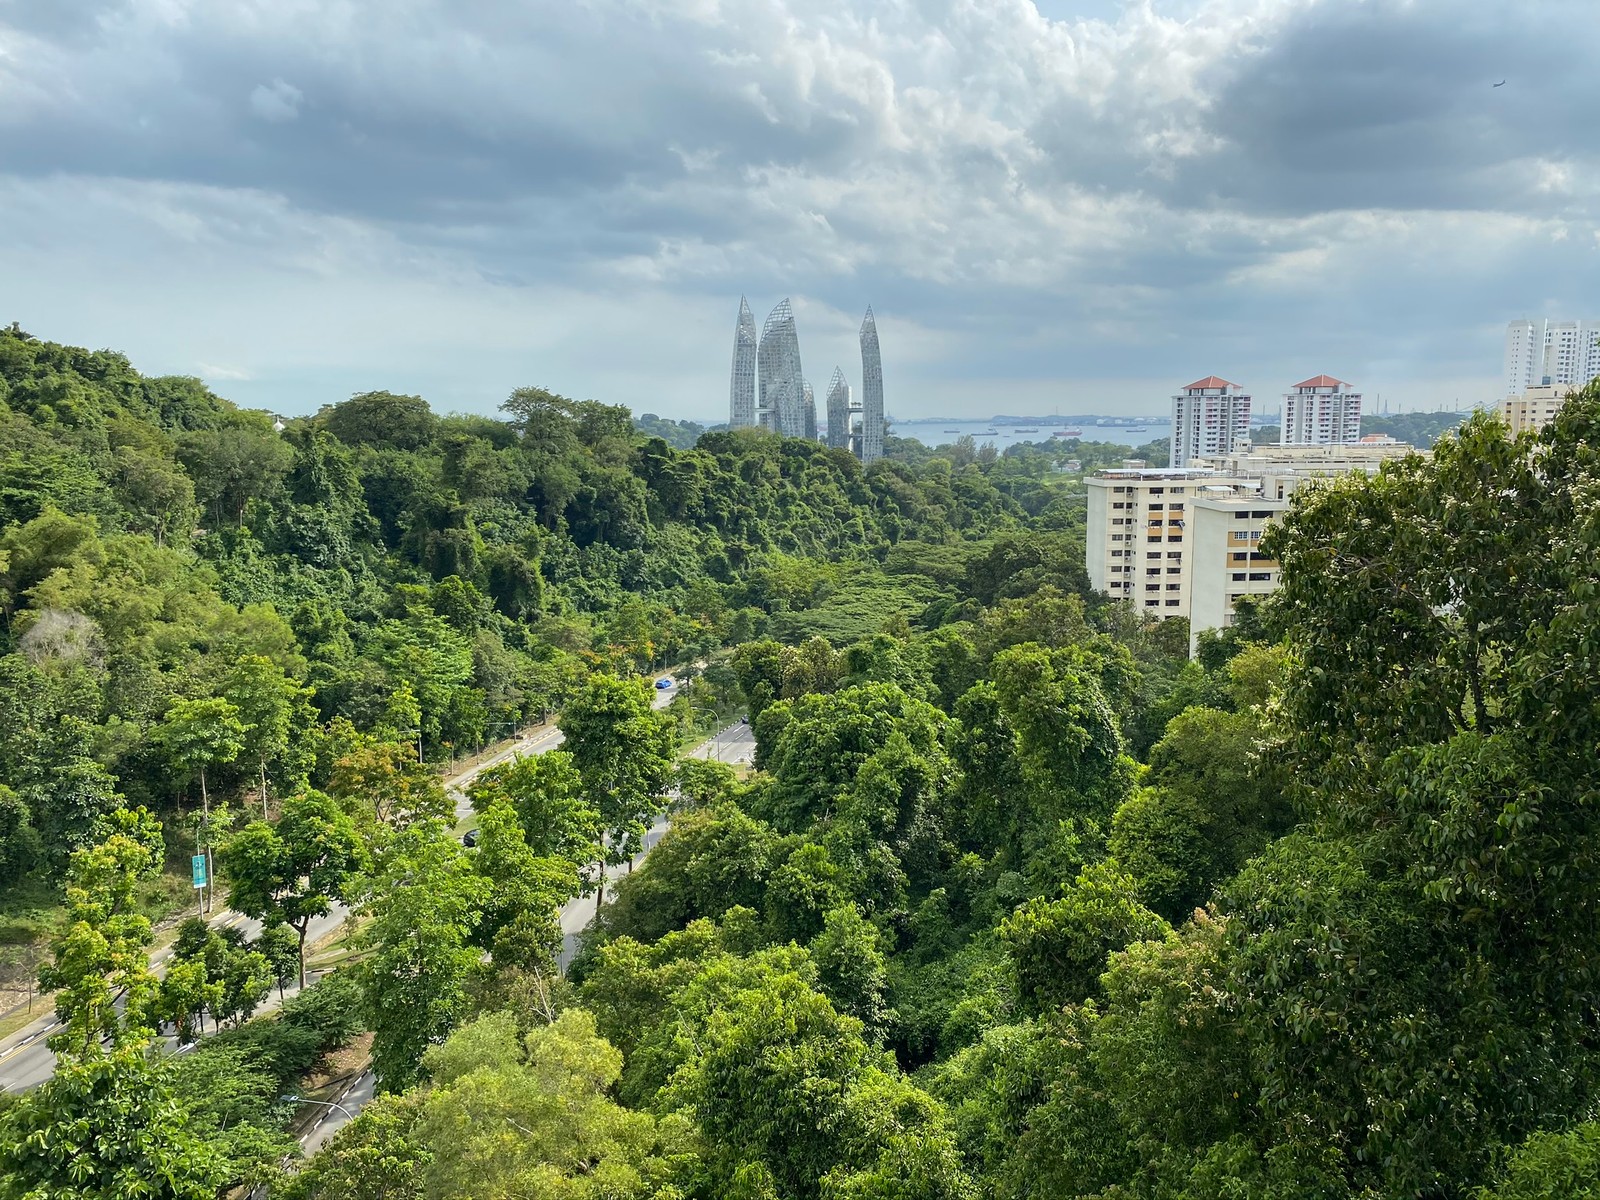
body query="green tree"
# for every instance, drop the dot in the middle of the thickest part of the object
(851, 970)
(424, 905)
(1060, 947)
(293, 871)
(100, 954)
(270, 708)
(194, 736)
(623, 751)
(105, 1127)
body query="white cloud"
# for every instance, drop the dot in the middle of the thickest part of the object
(1044, 198)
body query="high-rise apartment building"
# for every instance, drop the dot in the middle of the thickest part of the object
(1210, 416)
(782, 382)
(1320, 411)
(872, 425)
(1551, 354)
(1135, 536)
(742, 386)
(1183, 542)
(1226, 564)
(808, 411)
(838, 411)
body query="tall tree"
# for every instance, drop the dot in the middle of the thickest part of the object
(424, 905)
(623, 751)
(295, 870)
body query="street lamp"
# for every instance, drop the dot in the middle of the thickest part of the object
(348, 1115)
(716, 725)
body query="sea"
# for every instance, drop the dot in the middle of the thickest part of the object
(943, 432)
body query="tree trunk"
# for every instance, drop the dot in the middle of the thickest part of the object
(301, 929)
(205, 815)
(264, 816)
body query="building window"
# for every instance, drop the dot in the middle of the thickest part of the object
(1238, 576)
(1174, 553)
(1152, 604)
(1260, 576)
(1239, 556)
(1176, 508)
(1152, 587)
(1118, 537)
(1174, 570)
(1152, 554)
(1174, 603)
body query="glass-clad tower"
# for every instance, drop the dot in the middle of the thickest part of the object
(838, 411)
(871, 391)
(782, 383)
(808, 410)
(742, 388)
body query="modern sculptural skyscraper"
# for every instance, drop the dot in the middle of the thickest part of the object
(838, 411)
(871, 391)
(782, 382)
(742, 387)
(808, 410)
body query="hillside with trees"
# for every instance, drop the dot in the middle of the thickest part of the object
(1017, 901)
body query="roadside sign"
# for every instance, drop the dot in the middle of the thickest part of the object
(199, 864)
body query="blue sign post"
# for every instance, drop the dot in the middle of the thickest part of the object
(199, 864)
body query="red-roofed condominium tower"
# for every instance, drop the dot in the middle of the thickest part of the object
(1210, 416)
(1321, 411)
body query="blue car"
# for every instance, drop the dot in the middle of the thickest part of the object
(663, 684)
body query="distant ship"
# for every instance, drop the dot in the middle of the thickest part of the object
(1077, 433)
(1027, 431)
(991, 433)
(952, 431)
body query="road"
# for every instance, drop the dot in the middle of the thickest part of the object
(25, 1059)
(735, 743)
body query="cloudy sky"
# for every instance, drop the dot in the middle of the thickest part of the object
(1077, 203)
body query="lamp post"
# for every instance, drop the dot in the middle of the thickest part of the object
(716, 725)
(348, 1115)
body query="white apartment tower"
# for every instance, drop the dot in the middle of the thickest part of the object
(1210, 416)
(1551, 354)
(1321, 411)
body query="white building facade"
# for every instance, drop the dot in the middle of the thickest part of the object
(1320, 411)
(1551, 353)
(1210, 416)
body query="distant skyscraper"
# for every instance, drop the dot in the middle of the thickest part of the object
(838, 411)
(808, 410)
(871, 391)
(782, 381)
(1321, 411)
(742, 388)
(1551, 353)
(1210, 416)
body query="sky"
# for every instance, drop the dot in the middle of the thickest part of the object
(1074, 205)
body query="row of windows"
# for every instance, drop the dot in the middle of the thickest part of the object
(1254, 576)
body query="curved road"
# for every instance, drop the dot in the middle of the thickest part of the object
(25, 1059)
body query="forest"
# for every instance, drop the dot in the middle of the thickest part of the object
(1018, 900)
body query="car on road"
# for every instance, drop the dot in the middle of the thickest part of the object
(470, 839)
(663, 684)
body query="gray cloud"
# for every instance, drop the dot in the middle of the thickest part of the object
(1146, 191)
